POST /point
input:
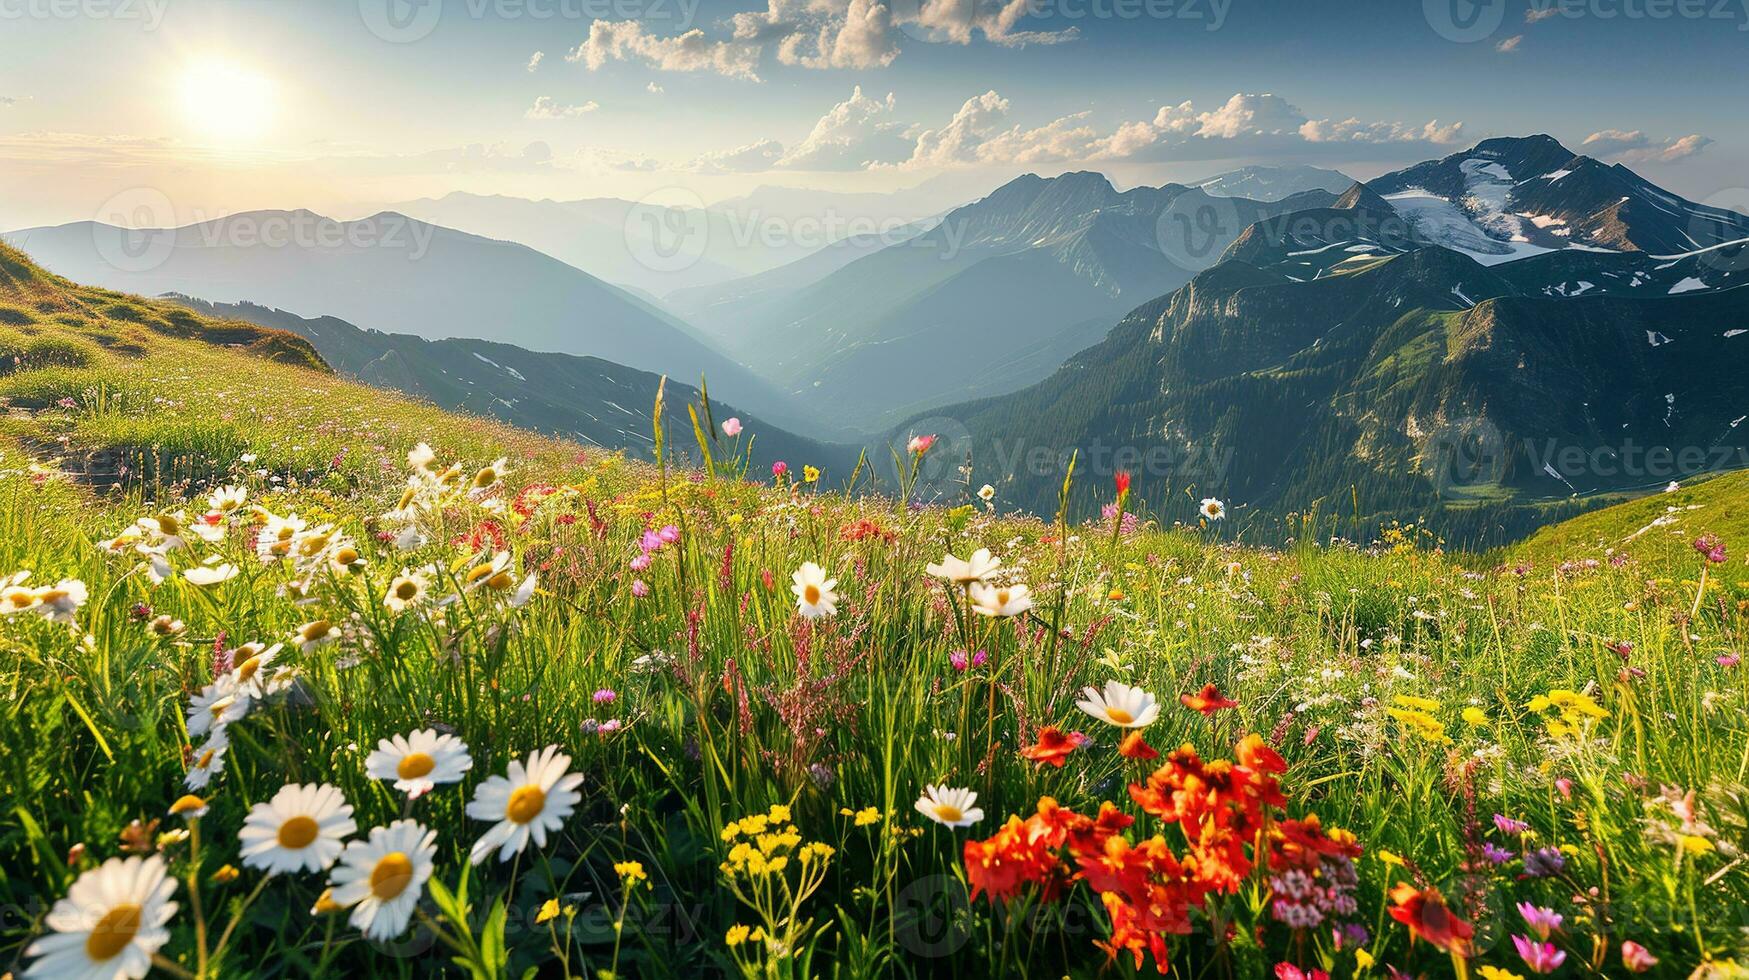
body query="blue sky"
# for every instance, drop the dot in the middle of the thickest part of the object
(336, 105)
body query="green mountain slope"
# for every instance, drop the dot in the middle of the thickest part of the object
(1399, 387)
(584, 398)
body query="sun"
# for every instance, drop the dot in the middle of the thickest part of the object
(225, 101)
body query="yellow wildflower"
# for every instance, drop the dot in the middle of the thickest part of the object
(1411, 701)
(1476, 716)
(549, 911)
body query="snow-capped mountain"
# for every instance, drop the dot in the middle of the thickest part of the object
(1272, 183)
(1510, 198)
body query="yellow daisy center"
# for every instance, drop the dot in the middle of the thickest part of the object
(316, 630)
(113, 932)
(526, 803)
(298, 833)
(1119, 715)
(345, 556)
(948, 813)
(391, 876)
(479, 572)
(486, 477)
(169, 525)
(206, 758)
(811, 594)
(500, 582)
(1002, 597)
(414, 765)
(406, 589)
(246, 670)
(51, 596)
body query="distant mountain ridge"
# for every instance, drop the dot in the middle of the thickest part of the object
(1355, 357)
(994, 297)
(1273, 183)
(584, 398)
(399, 275)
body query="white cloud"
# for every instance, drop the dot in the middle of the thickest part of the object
(1263, 125)
(755, 157)
(1540, 13)
(1250, 115)
(976, 135)
(535, 59)
(851, 135)
(1352, 130)
(545, 107)
(654, 89)
(1510, 44)
(1634, 146)
(627, 40)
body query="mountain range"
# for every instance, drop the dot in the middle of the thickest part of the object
(995, 296)
(583, 398)
(398, 275)
(1349, 358)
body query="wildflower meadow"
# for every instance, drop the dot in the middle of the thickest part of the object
(338, 684)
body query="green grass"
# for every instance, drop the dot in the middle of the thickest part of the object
(728, 703)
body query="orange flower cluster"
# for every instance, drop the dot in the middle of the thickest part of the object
(1219, 805)
(1224, 809)
(1028, 852)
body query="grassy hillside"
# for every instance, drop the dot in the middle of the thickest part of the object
(1657, 528)
(593, 401)
(1369, 757)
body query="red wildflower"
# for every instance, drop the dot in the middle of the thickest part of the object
(1207, 701)
(862, 530)
(1428, 918)
(1053, 746)
(1121, 480)
(1134, 746)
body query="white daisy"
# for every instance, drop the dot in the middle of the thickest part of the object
(343, 558)
(57, 603)
(208, 760)
(814, 595)
(217, 705)
(535, 799)
(1120, 704)
(978, 569)
(949, 806)
(421, 457)
(303, 828)
(489, 476)
(227, 500)
(408, 589)
(1212, 509)
(110, 924)
(986, 493)
(15, 596)
(315, 633)
(494, 574)
(167, 531)
(250, 676)
(1000, 600)
(382, 877)
(277, 537)
(419, 761)
(207, 575)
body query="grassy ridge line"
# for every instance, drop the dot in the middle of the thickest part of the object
(1659, 528)
(122, 386)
